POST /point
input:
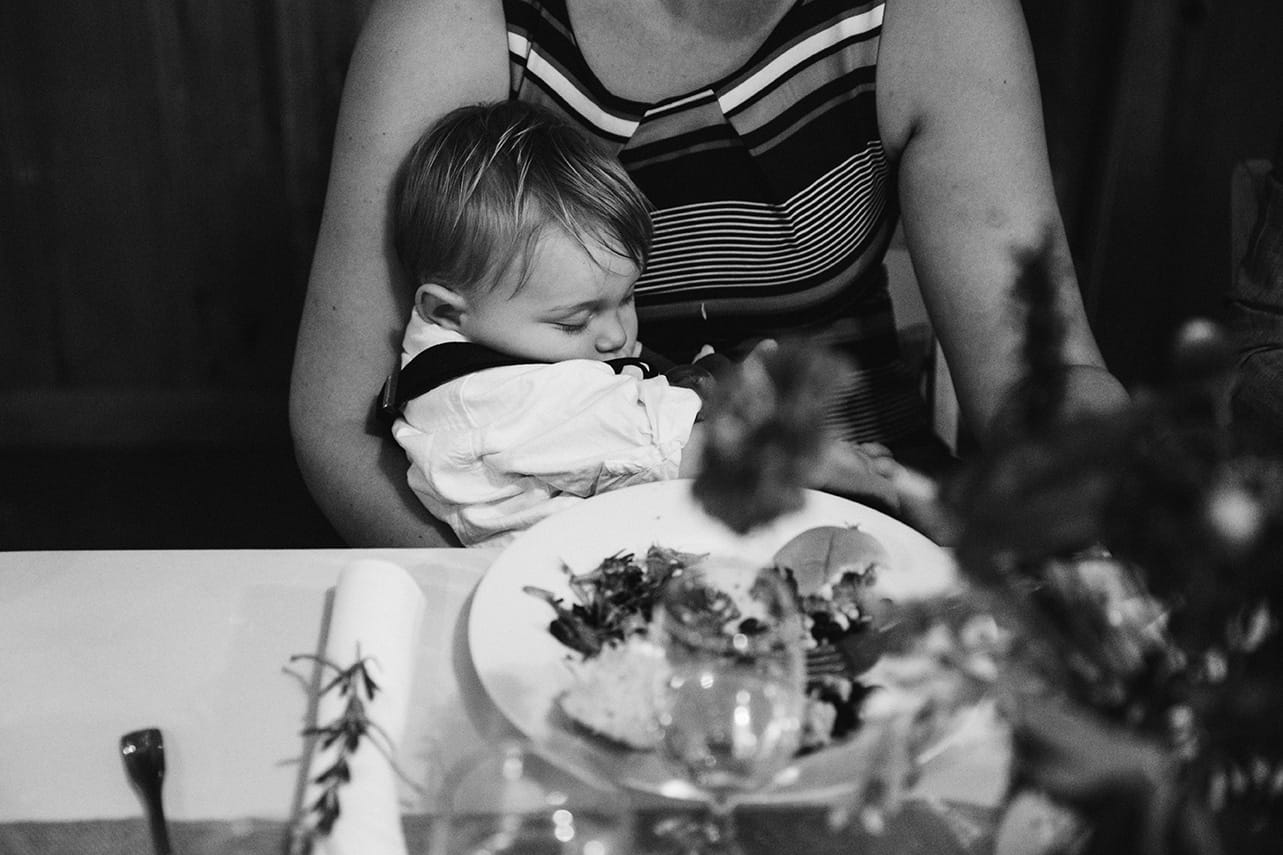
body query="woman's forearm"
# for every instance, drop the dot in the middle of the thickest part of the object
(359, 482)
(972, 211)
(1089, 390)
(1092, 389)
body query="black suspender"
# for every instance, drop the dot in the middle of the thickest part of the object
(442, 363)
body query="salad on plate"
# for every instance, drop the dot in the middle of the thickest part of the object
(604, 626)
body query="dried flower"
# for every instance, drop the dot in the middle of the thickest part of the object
(764, 440)
(344, 735)
(1173, 633)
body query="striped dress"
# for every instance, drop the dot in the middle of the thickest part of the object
(773, 199)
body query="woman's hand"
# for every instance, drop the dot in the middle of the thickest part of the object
(863, 471)
(1075, 755)
(1127, 785)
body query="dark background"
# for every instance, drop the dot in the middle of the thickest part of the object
(162, 169)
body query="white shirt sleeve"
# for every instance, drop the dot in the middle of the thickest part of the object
(499, 449)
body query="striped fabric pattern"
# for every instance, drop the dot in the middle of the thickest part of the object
(773, 199)
(765, 247)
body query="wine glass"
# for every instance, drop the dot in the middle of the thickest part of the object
(730, 712)
(509, 801)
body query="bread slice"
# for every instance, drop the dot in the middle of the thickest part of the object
(615, 693)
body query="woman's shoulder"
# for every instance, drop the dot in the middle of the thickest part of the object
(452, 15)
(439, 45)
(938, 57)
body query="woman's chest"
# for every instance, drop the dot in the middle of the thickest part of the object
(651, 50)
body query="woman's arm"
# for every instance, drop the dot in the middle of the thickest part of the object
(415, 60)
(960, 114)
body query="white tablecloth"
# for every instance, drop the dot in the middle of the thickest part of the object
(197, 643)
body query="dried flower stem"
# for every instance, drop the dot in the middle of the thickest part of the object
(344, 735)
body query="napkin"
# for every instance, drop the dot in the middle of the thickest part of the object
(378, 610)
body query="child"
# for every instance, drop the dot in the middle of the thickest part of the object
(523, 388)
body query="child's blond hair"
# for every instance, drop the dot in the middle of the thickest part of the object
(481, 185)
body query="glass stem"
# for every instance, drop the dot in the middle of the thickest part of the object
(722, 827)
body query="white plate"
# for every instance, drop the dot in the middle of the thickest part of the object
(522, 667)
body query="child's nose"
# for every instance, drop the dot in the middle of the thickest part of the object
(612, 335)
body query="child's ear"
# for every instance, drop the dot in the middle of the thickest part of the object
(440, 305)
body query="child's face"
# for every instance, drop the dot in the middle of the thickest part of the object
(572, 305)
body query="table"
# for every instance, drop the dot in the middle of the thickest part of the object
(198, 643)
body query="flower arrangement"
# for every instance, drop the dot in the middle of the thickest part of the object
(1141, 552)
(763, 443)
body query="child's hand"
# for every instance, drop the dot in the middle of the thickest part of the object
(759, 348)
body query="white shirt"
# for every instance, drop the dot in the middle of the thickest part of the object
(493, 452)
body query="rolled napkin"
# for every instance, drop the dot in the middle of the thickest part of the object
(376, 615)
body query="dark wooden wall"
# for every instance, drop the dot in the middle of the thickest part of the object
(1150, 104)
(162, 176)
(162, 166)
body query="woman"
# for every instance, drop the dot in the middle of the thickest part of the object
(942, 106)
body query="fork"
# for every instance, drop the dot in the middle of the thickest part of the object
(822, 661)
(144, 755)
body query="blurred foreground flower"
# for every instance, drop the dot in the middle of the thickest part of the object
(764, 434)
(1141, 554)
